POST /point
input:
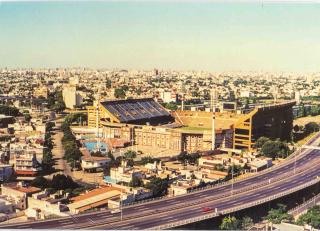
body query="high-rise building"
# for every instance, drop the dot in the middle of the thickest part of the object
(71, 97)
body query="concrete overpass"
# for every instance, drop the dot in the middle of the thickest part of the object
(298, 172)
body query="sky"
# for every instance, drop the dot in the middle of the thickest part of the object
(209, 36)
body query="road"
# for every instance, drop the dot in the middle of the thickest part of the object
(265, 186)
(61, 164)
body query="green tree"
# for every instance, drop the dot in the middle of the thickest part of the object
(279, 214)
(119, 93)
(39, 182)
(311, 127)
(130, 155)
(27, 117)
(170, 106)
(97, 153)
(146, 160)
(312, 217)
(274, 149)
(136, 182)
(9, 111)
(246, 223)
(158, 186)
(230, 223)
(60, 181)
(108, 83)
(261, 141)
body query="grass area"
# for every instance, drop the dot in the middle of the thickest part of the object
(305, 139)
(304, 120)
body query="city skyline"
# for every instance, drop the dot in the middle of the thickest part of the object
(210, 36)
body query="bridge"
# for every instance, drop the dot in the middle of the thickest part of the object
(300, 171)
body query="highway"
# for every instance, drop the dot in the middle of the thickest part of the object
(292, 175)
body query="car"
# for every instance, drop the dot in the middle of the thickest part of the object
(115, 211)
(206, 209)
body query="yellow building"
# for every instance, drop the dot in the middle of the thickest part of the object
(152, 129)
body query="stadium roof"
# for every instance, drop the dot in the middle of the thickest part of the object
(137, 111)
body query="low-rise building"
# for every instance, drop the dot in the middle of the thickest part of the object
(93, 162)
(17, 193)
(93, 199)
(260, 164)
(42, 205)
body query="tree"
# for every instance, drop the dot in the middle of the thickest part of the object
(130, 155)
(278, 215)
(136, 182)
(158, 186)
(170, 106)
(108, 83)
(40, 182)
(9, 111)
(261, 141)
(219, 167)
(97, 153)
(311, 127)
(274, 149)
(146, 160)
(27, 117)
(230, 223)
(188, 158)
(296, 128)
(312, 217)
(246, 223)
(63, 182)
(119, 93)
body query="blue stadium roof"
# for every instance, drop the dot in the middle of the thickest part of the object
(138, 111)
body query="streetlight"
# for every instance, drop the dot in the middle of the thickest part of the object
(232, 179)
(295, 160)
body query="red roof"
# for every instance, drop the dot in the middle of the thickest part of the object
(18, 172)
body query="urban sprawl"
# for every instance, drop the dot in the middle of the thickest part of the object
(79, 140)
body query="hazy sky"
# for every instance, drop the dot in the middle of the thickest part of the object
(182, 36)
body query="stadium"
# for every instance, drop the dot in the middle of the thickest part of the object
(150, 128)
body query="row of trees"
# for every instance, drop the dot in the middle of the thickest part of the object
(272, 148)
(304, 111)
(55, 101)
(300, 132)
(187, 158)
(48, 161)
(59, 182)
(69, 142)
(275, 215)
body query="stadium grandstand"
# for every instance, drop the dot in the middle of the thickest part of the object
(137, 111)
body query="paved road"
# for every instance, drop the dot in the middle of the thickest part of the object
(280, 179)
(61, 165)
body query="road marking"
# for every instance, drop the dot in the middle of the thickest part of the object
(24, 227)
(66, 223)
(127, 227)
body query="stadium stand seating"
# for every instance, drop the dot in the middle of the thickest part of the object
(138, 111)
